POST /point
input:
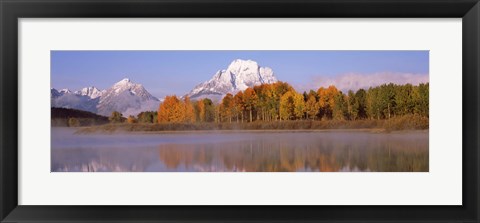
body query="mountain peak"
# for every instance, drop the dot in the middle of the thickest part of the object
(65, 91)
(124, 81)
(240, 62)
(124, 96)
(239, 75)
(91, 92)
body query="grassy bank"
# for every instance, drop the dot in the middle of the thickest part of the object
(394, 124)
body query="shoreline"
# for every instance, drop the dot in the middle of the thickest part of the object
(84, 131)
(375, 126)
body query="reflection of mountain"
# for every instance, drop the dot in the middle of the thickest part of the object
(279, 152)
(267, 152)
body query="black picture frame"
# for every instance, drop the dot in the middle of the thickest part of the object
(12, 10)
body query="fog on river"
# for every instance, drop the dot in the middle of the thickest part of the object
(255, 151)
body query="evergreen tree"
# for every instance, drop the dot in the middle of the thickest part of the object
(361, 104)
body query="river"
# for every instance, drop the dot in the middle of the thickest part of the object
(246, 151)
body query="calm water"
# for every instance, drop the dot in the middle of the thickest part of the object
(245, 151)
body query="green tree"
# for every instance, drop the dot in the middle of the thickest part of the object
(116, 117)
(155, 117)
(351, 105)
(372, 103)
(404, 99)
(146, 117)
(361, 104)
(387, 100)
(209, 110)
(421, 99)
(339, 111)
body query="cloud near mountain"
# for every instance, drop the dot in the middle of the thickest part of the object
(355, 81)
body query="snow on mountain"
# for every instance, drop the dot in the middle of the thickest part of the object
(128, 98)
(91, 92)
(54, 93)
(66, 99)
(65, 91)
(124, 96)
(80, 102)
(239, 75)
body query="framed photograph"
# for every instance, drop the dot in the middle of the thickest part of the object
(265, 111)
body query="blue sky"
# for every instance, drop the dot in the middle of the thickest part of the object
(177, 72)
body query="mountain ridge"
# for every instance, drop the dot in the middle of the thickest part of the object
(130, 98)
(124, 96)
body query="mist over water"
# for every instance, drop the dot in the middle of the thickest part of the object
(240, 151)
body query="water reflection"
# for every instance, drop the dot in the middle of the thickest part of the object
(259, 152)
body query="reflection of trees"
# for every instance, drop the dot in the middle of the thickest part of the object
(392, 155)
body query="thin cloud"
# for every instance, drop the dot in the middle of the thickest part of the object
(355, 81)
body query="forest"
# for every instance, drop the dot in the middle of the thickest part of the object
(279, 101)
(279, 106)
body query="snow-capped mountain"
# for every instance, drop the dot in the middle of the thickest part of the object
(91, 92)
(65, 91)
(66, 99)
(128, 98)
(75, 101)
(124, 96)
(239, 75)
(54, 93)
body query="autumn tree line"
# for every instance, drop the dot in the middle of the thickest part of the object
(279, 106)
(280, 101)
(388, 107)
